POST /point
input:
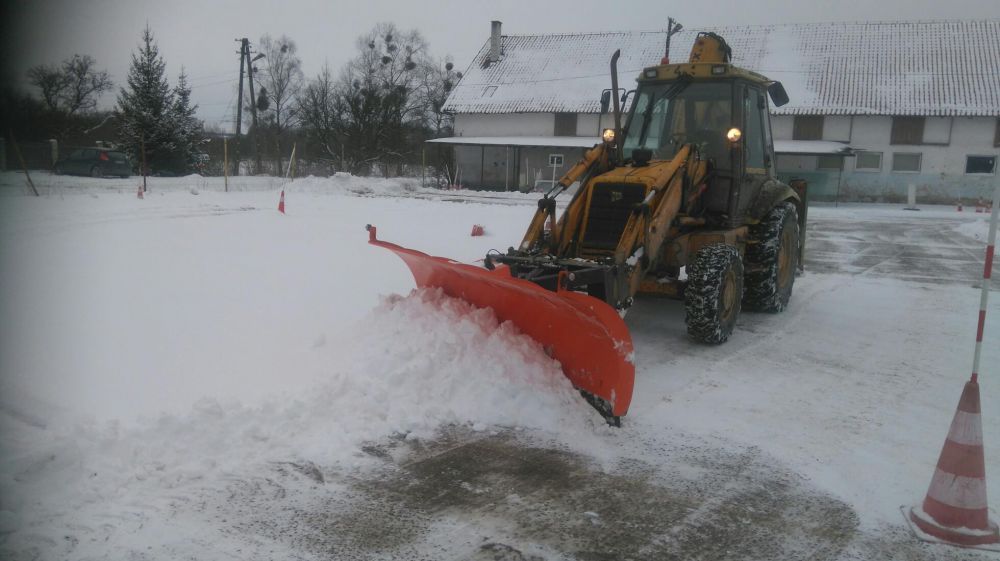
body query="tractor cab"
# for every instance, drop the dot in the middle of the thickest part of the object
(718, 108)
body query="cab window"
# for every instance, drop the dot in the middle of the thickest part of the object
(667, 116)
(754, 134)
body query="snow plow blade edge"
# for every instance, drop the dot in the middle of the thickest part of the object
(586, 335)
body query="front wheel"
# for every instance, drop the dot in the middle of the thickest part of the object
(772, 256)
(713, 293)
(95, 172)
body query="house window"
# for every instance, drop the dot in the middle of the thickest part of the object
(565, 124)
(830, 163)
(807, 127)
(907, 130)
(909, 163)
(980, 164)
(868, 161)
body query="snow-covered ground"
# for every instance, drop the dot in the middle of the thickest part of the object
(174, 368)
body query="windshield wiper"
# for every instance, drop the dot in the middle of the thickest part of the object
(676, 88)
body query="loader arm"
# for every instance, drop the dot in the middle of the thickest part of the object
(651, 221)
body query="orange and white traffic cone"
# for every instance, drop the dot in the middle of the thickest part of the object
(281, 202)
(138, 193)
(955, 510)
(478, 230)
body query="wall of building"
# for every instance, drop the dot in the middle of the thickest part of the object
(516, 167)
(587, 124)
(525, 124)
(509, 124)
(942, 178)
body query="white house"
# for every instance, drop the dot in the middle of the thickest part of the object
(918, 103)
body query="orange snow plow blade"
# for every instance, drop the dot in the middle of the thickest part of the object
(586, 335)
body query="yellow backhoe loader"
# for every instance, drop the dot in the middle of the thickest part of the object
(680, 201)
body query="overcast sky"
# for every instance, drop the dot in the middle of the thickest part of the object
(199, 35)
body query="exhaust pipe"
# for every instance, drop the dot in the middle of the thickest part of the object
(618, 109)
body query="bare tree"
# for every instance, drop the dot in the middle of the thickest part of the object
(282, 79)
(437, 79)
(318, 114)
(381, 107)
(378, 97)
(84, 83)
(51, 81)
(72, 87)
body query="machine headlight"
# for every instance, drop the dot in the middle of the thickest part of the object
(608, 135)
(734, 134)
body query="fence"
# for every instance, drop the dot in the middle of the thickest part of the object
(42, 155)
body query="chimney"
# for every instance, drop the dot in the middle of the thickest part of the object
(494, 55)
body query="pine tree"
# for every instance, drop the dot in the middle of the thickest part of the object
(146, 108)
(187, 127)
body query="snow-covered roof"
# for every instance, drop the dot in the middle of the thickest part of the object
(869, 68)
(560, 141)
(811, 147)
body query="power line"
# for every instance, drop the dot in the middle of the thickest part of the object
(216, 83)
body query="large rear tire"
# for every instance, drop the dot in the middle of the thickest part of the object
(772, 257)
(713, 293)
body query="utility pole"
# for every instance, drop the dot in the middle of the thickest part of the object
(253, 107)
(239, 102)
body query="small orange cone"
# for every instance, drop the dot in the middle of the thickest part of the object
(281, 202)
(139, 193)
(955, 509)
(478, 230)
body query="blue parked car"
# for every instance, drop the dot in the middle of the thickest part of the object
(95, 162)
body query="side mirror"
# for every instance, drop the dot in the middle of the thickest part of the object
(778, 94)
(605, 101)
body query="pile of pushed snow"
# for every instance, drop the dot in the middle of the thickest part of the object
(428, 359)
(340, 182)
(978, 229)
(414, 364)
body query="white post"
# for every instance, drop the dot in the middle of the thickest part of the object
(911, 197)
(506, 170)
(987, 273)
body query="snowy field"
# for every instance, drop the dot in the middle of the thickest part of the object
(196, 376)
